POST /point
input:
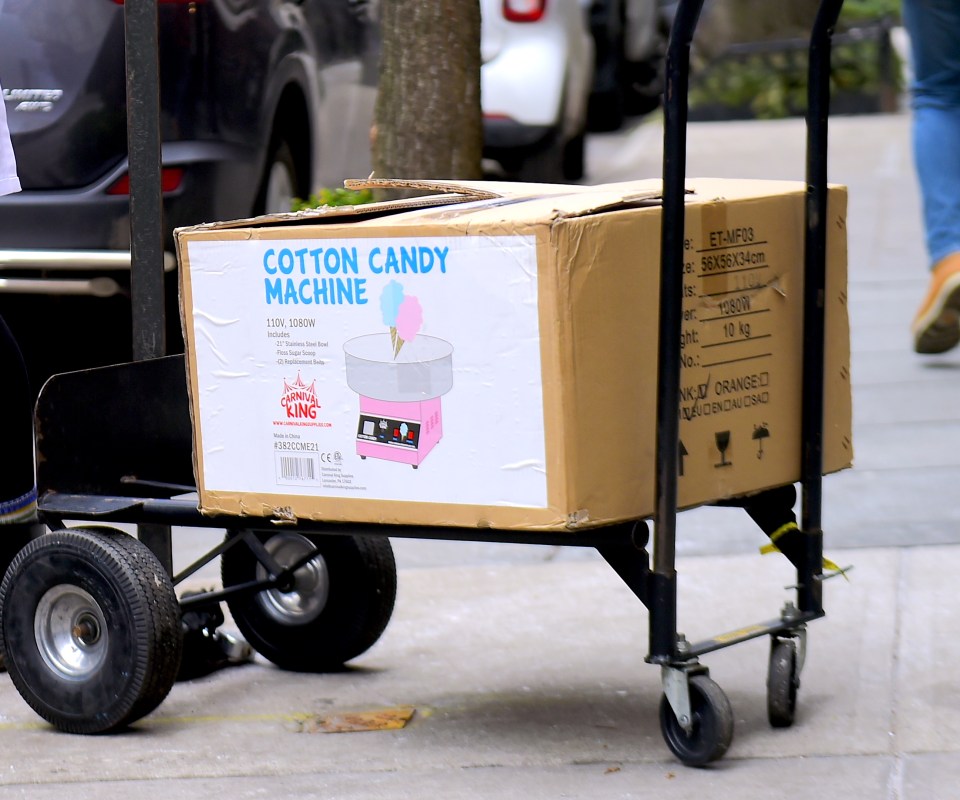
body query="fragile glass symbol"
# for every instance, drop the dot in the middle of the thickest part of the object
(723, 442)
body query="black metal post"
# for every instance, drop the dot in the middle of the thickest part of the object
(141, 41)
(810, 593)
(146, 199)
(663, 605)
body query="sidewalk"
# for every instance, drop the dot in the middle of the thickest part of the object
(524, 665)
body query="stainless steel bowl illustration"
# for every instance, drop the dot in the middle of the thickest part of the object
(423, 369)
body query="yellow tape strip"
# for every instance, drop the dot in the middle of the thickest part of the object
(778, 533)
(829, 565)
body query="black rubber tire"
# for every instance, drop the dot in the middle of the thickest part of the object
(643, 86)
(13, 538)
(546, 163)
(133, 654)
(340, 608)
(607, 112)
(282, 158)
(783, 682)
(574, 158)
(712, 730)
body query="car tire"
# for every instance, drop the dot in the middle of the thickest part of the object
(282, 181)
(543, 166)
(643, 87)
(574, 155)
(607, 111)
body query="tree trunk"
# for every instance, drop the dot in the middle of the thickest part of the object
(428, 118)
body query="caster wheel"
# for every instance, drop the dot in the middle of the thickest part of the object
(90, 628)
(712, 729)
(783, 682)
(335, 608)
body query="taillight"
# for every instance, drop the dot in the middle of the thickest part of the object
(523, 10)
(170, 180)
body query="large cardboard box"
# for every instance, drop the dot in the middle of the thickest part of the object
(488, 357)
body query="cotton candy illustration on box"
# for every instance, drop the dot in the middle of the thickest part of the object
(390, 300)
(400, 412)
(409, 322)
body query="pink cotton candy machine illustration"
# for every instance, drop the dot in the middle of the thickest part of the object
(400, 415)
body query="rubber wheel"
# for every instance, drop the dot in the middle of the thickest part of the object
(337, 608)
(90, 628)
(606, 110)
(783, 682)
(546, 163)
(13, 538)
(281, 181)
(574, 154)
(712, 729)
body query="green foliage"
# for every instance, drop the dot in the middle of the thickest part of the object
(856, 11)
(772, 83)
(334, 197)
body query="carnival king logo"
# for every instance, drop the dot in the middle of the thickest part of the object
(300, 400)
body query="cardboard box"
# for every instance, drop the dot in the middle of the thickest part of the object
(487, 357)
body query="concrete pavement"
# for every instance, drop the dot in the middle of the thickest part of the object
(524, 665)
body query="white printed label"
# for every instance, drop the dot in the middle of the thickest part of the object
(388, 369)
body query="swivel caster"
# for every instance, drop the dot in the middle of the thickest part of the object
(783, 681)
(704, 735)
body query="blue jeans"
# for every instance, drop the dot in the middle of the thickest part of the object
(934, 29)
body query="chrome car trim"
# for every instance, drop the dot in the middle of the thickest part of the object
(94, 287)
(74, 260)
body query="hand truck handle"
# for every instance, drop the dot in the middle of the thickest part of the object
(671, 297)
(810, 596)
(671, 281)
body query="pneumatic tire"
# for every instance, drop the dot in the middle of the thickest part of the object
(90, 629)
(335, 608)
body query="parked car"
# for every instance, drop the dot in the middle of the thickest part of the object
(535, 84)
(260, 100)
(630, 40)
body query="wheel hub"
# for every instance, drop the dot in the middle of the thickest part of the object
(303, 596)
(87, 629)
(71, 632)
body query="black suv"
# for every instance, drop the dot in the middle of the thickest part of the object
(261, 100)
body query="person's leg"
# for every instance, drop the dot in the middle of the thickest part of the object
(934, 29)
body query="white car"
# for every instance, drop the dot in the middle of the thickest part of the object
(535, 83)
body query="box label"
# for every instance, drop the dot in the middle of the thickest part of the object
(384, 368)
(741, 328)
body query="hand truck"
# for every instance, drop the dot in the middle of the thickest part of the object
(90, 621)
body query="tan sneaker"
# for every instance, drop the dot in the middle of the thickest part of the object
(936, 327)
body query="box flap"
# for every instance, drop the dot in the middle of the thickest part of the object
(447, 193)
(492, 202)
(475, 190)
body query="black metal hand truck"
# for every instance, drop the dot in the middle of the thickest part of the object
(90, 622)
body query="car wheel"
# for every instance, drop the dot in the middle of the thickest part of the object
(643, 87)
(607, 111)
(546, 163)
(281, 183)
(573, 157)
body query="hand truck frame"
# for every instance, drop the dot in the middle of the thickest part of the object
(90, 622)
